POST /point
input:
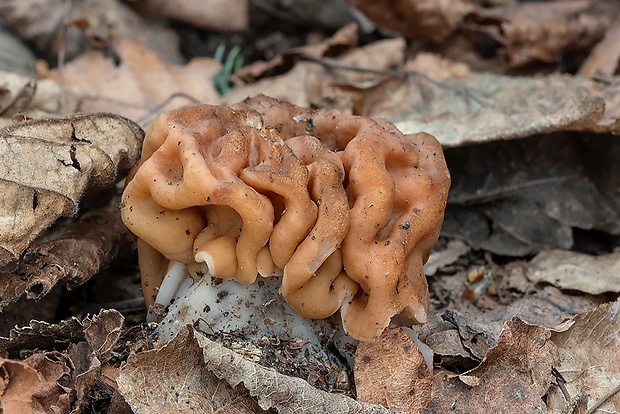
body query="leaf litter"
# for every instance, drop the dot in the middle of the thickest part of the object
(515, 324)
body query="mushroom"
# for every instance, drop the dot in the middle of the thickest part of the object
(345, 209)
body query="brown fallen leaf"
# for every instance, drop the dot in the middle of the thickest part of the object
(101, 332)
(577, 271)
(70, 256)
(392, 372)
(523, 196)
(53, 395)
(603, 60)
(445, 257)
(344, 39)
(214, 15)
(512, 378)
(547, 32)
(18, 382)
(191, 363)
(42, 336)
(176, 379)
(101, 21)
(483, 107)
(418, 19)
(47, 165)
(140, 85)
(32, 98)
(590, 359)
(326, 81)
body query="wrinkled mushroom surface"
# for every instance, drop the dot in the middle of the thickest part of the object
(345, 209)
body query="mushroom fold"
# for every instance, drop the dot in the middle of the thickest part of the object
(345, 209)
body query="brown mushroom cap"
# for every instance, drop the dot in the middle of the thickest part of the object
(345, 208)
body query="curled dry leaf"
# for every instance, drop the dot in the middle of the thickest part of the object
(392, 372)
(590, 358)
(47, 165)
(193, 371)
(78, 251)
(577, 271)
(512, 378)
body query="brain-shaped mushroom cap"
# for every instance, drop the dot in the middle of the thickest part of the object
(346, 209)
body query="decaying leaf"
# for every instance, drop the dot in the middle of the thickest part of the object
(53, 393)
(520, 197)
(191, 363)
(47, 165)
(183, 382)
(590, 358)
(42, 335)
(90, 356)
(18, 382)
(139, 84)
(392, 372)
(72, 256)
(512, 378)
(576, 271)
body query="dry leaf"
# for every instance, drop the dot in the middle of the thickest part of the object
(484, 107)
(42, 24)
(47, 165)
(176, 379)
(418, 19)
(89, 356)
(140, 85)
(42, 335)
(72, 256)
(18, 382)
(520, 197)
(445, 257)
(53, 394)
(603, 60)
(316, 81)
(343, 39)
(512, 378)
(590, 358)
(213, 15)
(31, 98)
(392, 372)
(577, 271)
(191, 363)
(546, 32)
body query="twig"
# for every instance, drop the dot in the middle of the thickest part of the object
(144, 118)
(561, 383)
(333, 64)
